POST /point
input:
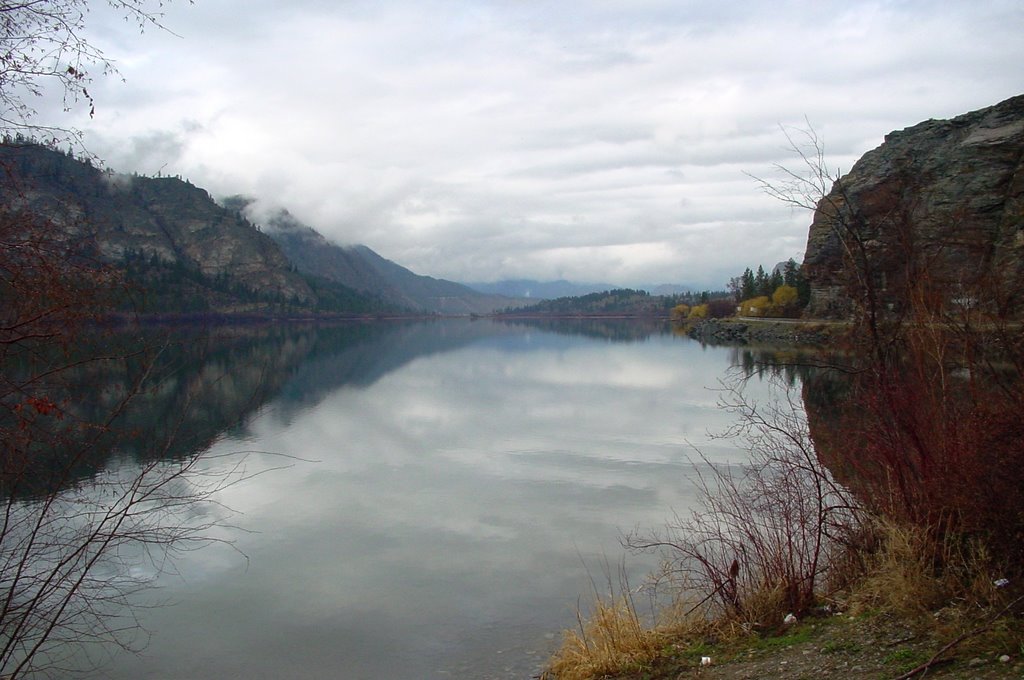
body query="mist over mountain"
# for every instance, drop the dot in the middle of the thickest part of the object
(362, 269)
(168, 238)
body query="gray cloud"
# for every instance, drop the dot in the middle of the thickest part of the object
(481, 140)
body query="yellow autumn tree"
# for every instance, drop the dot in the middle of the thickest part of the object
(757, 306)
(680, 312)
(784, 301)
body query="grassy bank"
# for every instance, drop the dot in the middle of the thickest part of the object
(897, 618)
(911, 564)
(868, 645)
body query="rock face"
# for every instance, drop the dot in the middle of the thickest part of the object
(934, 214)
(115, 216)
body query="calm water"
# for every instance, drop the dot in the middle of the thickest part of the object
(453, 487)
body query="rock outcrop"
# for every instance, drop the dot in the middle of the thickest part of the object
(934, 214)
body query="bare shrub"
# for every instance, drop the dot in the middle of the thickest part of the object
(929, 431)
(766, 531)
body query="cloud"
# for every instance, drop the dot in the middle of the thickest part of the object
(485, 140)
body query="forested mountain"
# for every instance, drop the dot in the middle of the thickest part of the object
(360, 268)
(539, 290)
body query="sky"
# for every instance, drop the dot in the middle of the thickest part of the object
(604, 141)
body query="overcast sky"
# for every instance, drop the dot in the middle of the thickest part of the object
(593, 141)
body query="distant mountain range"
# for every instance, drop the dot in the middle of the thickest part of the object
(550, 290)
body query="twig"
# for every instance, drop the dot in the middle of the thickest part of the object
(709, 596)
(969, 634)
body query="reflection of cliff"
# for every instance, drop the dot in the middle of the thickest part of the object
(826, 395)
(826, 385)
(927, 447)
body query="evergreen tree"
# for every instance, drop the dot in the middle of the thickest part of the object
(790, 272)
(762, 283)
(748, 285)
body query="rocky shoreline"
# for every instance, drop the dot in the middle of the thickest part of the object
(773, 331)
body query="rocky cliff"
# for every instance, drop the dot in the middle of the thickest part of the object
(934, 214)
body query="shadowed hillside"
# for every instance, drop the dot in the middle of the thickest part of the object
(362, 269)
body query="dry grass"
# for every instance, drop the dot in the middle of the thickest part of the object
(611, 640)
(614, 638)
(946, 589)
(945, 592)
(898, 576)
(911, 572)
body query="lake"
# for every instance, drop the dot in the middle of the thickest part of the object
(434, 497)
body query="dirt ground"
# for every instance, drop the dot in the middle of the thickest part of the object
(839, 647)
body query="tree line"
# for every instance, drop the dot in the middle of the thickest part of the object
(783, 293)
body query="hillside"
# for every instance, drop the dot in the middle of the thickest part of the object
(549, 290)
(539, 290)
(362, 269)
(618, 302)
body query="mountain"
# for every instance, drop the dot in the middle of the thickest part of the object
(935, 214)
(167, 237)
(667, 289)
(360, 268)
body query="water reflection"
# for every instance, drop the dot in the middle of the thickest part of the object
(451, 483)
(791, 365)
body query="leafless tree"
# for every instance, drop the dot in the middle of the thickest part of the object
(78, 537)
(81, 531)
(44, 45)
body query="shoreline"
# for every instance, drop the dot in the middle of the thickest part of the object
(746, 330)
